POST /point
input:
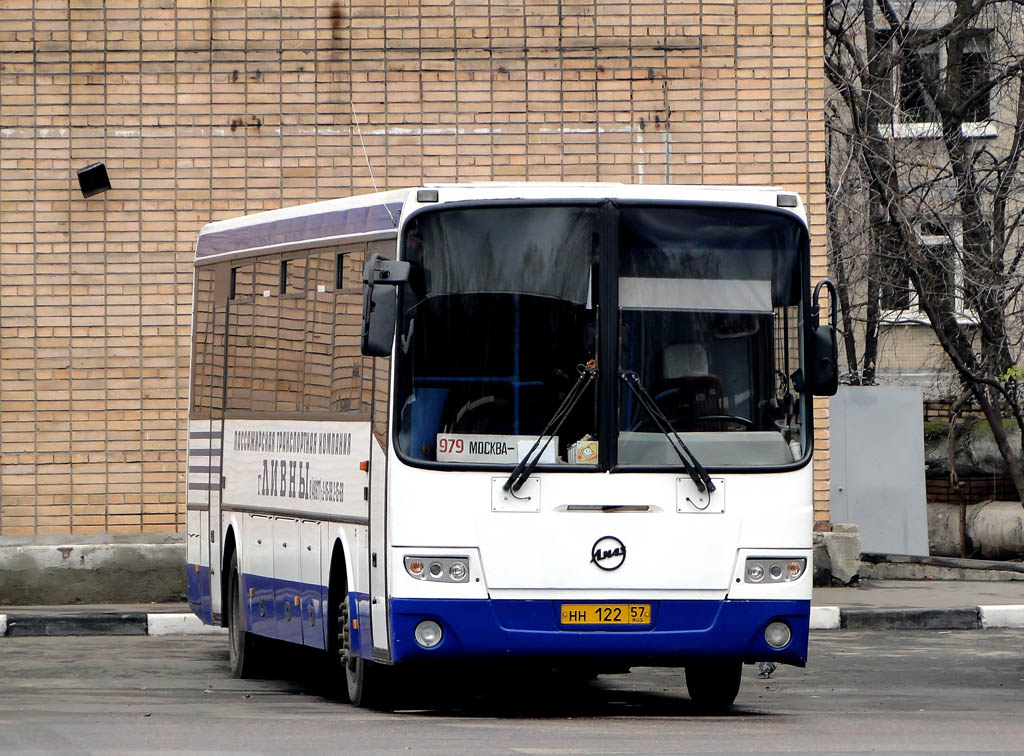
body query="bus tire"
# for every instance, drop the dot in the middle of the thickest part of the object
(713, 685)
(243, 645)
(365, 683)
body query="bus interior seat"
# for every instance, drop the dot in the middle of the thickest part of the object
(688, 390)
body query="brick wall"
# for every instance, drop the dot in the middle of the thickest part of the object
(203, 110)
(937, 410)
(973, 489)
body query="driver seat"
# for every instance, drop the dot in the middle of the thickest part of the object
(687, 390)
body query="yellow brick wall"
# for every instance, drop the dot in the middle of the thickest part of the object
(205, 109)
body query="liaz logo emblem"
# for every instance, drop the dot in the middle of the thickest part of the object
(608, 553)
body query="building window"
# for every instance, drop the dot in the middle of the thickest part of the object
(894, 291)
(938, 263)
(975, 73)
(922, 68)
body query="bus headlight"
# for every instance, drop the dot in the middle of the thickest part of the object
(771, 570)
(438, 569)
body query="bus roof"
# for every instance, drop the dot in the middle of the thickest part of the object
(378, 214)
(301, 224)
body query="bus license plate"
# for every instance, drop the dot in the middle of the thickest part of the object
(606, 614)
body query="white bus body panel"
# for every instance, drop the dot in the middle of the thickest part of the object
(525, 554)
(295, 465)
(203, 506)
(291, 488)
(378, 548)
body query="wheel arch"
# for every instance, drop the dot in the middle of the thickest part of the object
(230, 549)
(340, 564)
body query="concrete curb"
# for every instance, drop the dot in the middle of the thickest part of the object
(133, 623)
(825, 618)
(965, 618)
(181, 624)
(1001, 616)
(822, 618)
(959, 618)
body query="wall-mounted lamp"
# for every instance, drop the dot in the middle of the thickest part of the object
(93, 179)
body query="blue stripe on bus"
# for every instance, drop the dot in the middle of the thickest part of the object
(271, 610)
(355, 220)
(279, 617)
(199, 592)
(680, 631)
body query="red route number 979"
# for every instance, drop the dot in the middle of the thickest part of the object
(450, 446)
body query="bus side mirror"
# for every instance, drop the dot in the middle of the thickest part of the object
(822, 348)
(380, 313)
(380, 304)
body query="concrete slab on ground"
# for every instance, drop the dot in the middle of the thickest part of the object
(920, 594)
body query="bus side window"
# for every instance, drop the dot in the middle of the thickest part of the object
(316, 394)
(240, 325)
(264, 338)
(346, 364)
(295, 279)
(291, 337)
(202, 358)
(379, 367)
(785, 409)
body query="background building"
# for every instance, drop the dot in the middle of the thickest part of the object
(206, 109)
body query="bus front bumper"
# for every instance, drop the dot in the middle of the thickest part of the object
(679, 631)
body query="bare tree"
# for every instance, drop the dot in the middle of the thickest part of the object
(926, 129)
(851, 258)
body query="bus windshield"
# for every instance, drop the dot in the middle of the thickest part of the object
(496, 321)
(501, 318)
(708, 314)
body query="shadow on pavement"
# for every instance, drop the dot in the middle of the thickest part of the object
(507, 691)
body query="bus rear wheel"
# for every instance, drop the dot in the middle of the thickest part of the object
(713, 685)
(243, 645)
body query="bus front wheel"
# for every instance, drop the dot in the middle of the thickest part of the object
(713, 685)
(365, 681)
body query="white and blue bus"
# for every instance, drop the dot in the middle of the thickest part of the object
(567, 424)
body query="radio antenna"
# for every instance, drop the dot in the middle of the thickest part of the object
(366, 157)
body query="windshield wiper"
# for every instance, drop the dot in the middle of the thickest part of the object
(522, 471)
(692, 465)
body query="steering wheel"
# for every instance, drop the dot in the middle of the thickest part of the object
(747, 423)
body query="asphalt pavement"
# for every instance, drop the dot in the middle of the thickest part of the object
(873, 604)
(913, 693)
